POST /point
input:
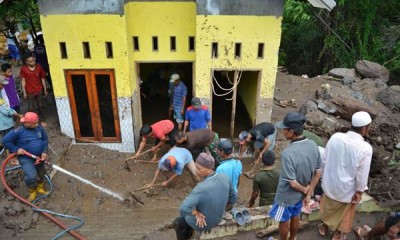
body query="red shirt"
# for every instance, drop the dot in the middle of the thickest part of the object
(162, 128)
(33, 82)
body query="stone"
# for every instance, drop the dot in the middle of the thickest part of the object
(380, 84)
(341, 72)
(326, 108)
(347, 106)
(395, 88)
(348, 80)
(390, 98)
(368, 69)
(307, 107)
(330, 125)
(357, 95)
(315, 118)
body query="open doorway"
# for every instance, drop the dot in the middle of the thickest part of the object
(246, 101)
(154, 86)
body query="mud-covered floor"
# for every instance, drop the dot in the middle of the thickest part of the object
(109, 218)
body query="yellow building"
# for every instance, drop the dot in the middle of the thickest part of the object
(111, 61)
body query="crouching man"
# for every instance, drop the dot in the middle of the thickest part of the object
(204, 206)
(175, 160)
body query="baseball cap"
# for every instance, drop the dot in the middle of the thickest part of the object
(169, 163)
(360, 119)
(205, 160)
(196, 103)
(174, 77)
(292, 120)
(30, 117)
(242, 137)
(226, 146)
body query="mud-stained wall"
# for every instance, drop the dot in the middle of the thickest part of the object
(47, 7)
(228, 30)
(248, 92)
(240, 7)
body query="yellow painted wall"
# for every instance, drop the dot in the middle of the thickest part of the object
(161, 19)
(73, 29)
(227, 30)
(247, 90)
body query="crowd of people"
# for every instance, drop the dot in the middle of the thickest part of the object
(342, 168)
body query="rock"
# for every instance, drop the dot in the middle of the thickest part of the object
(369, 69)
(326, 108)
(372, 94)
(348, 80)
(357, 95)
(347, 106)
(341, 72)
(390, 98)
(398, 146)
(315, 118)
(307, 107)
(395, 88)
(330, 125)
(361, 85)
(380, 84)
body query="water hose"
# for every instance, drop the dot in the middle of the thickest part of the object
(46, 213)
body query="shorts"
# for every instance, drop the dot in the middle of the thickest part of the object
(390, 221)
(284, 214)
(178, 116)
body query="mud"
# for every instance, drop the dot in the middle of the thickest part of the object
(151, 219)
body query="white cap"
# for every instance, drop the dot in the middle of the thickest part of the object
(360, 119)
(174, 77)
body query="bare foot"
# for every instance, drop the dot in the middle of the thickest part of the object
(322, 229)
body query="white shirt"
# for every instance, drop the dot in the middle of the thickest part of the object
(346, 162)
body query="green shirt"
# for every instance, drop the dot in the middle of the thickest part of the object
(314, 137)
(266, 181)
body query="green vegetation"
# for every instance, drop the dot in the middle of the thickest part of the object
(371, 29)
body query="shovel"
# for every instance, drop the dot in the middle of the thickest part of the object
(128, 159)
(250, 174)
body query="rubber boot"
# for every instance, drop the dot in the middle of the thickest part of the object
(40, 189)
(32, 194)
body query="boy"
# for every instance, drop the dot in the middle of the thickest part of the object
(10, 89)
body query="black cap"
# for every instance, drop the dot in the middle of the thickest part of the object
(292, 120)
(196, 102)
(226, 146)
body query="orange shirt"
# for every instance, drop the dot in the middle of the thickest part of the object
(162, 128)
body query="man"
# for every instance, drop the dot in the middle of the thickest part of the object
(300, 173)
(33, 84)
(197, 140)
(229, 166)
(175, 160)
(204, 206)
(197, 116)
(178, 99)
(263, 135)
(391, 226)
(32, 138)
(158, 130)
(265, 182)
(347, 161)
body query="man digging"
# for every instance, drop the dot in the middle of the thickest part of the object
(195, 141)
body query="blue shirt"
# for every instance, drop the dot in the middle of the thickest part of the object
(180, 91)
(182, 156)
(198, 118)
(210, 198)
(33, 140)
(231, 168)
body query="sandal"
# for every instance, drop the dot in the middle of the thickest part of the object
(360, 233)
(322, 229)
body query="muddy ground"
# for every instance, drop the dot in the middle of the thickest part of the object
(106, 168)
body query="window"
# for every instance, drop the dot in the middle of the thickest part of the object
(214, 50)
(93, 101)
(191, 44)
(260, 52)
(173, 43)
(136, 43)
(238, 50)
(86, 49)
(155, 43)
(63, 50)
(109, 50)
